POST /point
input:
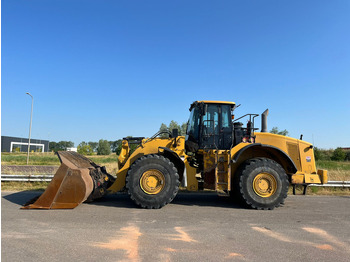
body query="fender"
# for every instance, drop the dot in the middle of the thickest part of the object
(173, 157)
(272, 149)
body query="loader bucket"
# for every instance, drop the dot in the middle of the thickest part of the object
(76, 180)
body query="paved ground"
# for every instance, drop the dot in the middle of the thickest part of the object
(195, 227)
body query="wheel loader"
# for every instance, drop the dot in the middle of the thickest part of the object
(218, 153)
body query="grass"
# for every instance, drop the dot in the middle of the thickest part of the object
(337, 171)
(36, 159)
(333, 165)
(22, 186)
(48, 159)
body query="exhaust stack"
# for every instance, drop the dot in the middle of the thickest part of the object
(264, 120)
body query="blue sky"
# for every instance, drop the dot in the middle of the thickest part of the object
(109, 69)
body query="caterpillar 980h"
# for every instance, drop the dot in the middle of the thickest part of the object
(217, 153)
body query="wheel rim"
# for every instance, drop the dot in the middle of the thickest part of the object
(152, 181)
(264, 185)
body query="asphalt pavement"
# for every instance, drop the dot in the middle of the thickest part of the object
(194, 227)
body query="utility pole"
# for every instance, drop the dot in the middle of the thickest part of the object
(30, 126)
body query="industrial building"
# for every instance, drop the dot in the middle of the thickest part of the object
(19, 144)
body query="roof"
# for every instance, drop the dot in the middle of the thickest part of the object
(216, 102)
(232, 104)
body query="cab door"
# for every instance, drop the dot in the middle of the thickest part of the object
(216, 130)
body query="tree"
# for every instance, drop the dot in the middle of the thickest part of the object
(338, 155)
(183, 129)
(85, 149)
(103, 147)
(60, 146)
(93, 146)
(163, 128)
(173, 125)
(317, 153)
(347, 155)
(116, 146)
(275, 130)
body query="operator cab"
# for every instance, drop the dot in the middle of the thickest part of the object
(209, 126)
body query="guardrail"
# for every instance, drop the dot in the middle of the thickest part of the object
(26, 178)
(333, 184)
(47, 178)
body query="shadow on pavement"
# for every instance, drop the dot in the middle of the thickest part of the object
(204, 199)
(20, 198)
(123, 200)
(183, 198)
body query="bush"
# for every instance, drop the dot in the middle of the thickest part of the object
(322, 154)
(85, 150)
(347, 156)
(338, 155)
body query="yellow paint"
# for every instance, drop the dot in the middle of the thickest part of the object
(152, 181)
(148, 146)
(323, 175)
(297, 179)
(264, 185)
(216, 102)
(192, 182)
(124, 154)
(312, 179)
(300, 152)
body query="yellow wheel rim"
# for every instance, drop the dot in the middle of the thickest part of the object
(152, 181)
(264, 185)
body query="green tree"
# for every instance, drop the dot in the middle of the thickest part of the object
(52, 146)
(183, 129)
(93, 146)
(60, 146)
(338, 154)
(85, 149)
(163, 128)
(275, 130)
(318, 154)
(347, 155)
(116, 146)
(174, 125)
(103, 147)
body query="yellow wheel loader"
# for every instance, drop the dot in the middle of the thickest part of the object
(218, 153)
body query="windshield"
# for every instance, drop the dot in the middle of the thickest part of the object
(192, 133)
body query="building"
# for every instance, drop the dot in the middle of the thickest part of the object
(18, 144)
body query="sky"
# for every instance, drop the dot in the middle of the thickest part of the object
(109, 69)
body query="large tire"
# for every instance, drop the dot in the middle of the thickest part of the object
(261, 183)
(152, 181)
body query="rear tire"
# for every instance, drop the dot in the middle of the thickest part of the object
(152, 181)
(261, 183)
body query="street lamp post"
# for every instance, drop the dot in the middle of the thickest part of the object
(30, 127)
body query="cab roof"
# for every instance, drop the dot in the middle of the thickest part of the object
(216, 102)
(232, 104)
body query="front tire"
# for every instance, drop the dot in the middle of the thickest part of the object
(152, 181)
(261, 183)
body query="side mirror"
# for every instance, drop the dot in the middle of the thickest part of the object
(175, 133)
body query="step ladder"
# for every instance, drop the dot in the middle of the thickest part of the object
(223, 170)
